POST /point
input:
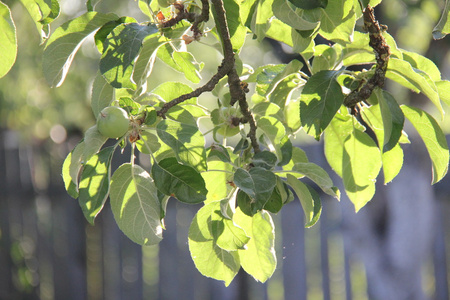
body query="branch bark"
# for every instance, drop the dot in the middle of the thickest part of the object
(382, 53)
(227, 68)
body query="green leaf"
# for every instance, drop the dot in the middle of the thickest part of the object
(312, 206)
(101, 34)
(71, 169)
(43, 12)
(185, 183)
(259, 259)
(226, 233)
(188, 65)
(286, 12)
(236, 29)
(219, 152)
(63, 44)
(102, 94)
(385, 118)
(354, 156)
(186, 141)
(443, 87)
(170, 90)
(320, 100)
(337, 21)
(433, 137)
(211, 260)
(392, 163)
(94, 183)
(217, 180)
(148, 142)
(258, 183)
(93, 141)
(280, 196)
(422, 63)
(260, 22)
(122, 46)
(403, 73)
(442, 28)
(309, 4)
(8, 46)
(319, 176)
(264, 159)
(135, 204)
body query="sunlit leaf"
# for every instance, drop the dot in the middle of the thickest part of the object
(71, 169)
(417, 80)
(354, 156)
(258, 259)
(319, 176)
(211, 260)
(186, 141)
(135, 204)
(337, 21)
(63, 44)
(122, 47)
(285, 11)
(433, 137)
(94, 183)
(8, 46)
(43, 12)
(102, 94)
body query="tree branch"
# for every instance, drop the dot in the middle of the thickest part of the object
(382, 53)
(237, 88)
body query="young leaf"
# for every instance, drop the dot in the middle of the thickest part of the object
(320, 100)
(258, 259)
(182, 181)
(211, 260)
(433, 137)
(442, 28)
(122, 46)
(312, 206)
(354, 156)
(102, 94)
(94, 183)
(63, 44)
(8, 46)
(422, 63)
(186, 141)
(135, 204)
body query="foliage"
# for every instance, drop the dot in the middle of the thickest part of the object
(240, 184)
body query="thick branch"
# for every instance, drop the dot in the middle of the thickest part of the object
(237, 89)
(382, 52)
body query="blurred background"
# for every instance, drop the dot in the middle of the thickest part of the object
(397, 247)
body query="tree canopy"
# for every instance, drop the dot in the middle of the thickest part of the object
(237, 155)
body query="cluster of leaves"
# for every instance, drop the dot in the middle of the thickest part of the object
(240, 185)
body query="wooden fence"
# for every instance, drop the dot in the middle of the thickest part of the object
(48, 251)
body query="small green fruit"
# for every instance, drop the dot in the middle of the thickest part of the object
(224, 118)
(113, 122)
